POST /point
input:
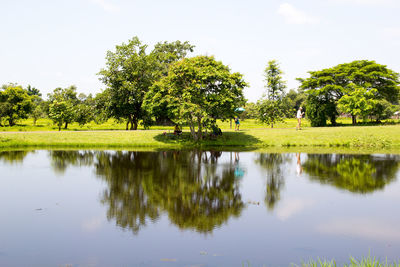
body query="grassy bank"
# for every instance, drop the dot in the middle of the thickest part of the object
(364, 262)
(359, 137)
(47, 125)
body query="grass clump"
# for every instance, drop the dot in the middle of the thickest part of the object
(364, 262)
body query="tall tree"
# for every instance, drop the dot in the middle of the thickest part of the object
(197, 91)
(128, 75)
(271, 108)
(327, 86)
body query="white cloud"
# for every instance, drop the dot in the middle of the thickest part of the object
(106, 5)
(368, 228)
(293, 15)
(290, 207)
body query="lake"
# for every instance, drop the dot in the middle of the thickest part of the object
(196, 208)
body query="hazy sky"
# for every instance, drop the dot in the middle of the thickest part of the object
(57, 43)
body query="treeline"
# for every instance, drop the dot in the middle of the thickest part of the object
(164, 86)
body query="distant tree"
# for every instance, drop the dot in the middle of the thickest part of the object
(61, 112)
(383, 110)
(38, 110)
(63, 100)
(33, 91)
(85, 109)
(292, 101)
(327, 86)
(15, 104)
(271, 108)
(251, 111)
(196, 92)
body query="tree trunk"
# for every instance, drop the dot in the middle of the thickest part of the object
(353, 119)
(230, 121)
(66, 125)
(200, 131)
(272, 125)
(34, 121)
(11, 122)
(135, 124)
(127, 124)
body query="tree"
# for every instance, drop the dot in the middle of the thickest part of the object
(292, 101)
(167, 53)
(85, 109)
(197, 91)
(62, 105)
(15, 104)
(61, 112)
(33, 91)
(328, 86)
(271, 108)
(358, 102)
(128, 75)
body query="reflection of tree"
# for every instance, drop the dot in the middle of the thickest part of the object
(187, 185)
(272, 163)
(13, 156)
(355, 173)
(127, 202)
(60, 160)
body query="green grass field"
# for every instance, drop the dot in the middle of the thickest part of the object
(251, 136)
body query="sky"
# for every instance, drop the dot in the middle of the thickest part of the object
(58, 43)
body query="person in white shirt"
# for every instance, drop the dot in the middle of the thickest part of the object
(300, 114)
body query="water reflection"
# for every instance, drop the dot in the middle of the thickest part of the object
(273, 164)
(189, 186)
(355, 173)
(60, 160)
(13, 156)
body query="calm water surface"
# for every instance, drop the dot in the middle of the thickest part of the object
(192, 208)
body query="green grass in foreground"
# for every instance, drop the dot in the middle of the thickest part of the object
(364, 262)
(366, 137)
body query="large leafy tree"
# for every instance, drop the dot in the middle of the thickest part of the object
(196, 92)
(271, 108)
(327, 86)
(128, 75)
(15, 104)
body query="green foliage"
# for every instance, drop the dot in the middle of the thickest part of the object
(358, 102)
(355, 173)
(383, 110)
(128, 75)
(130, 72)
(61, 112)
(328, 86)
(271, 109)
(271, 112)
(251, 111)
(196, 92)
(62, 105)
(292, 101)
(15, 104)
